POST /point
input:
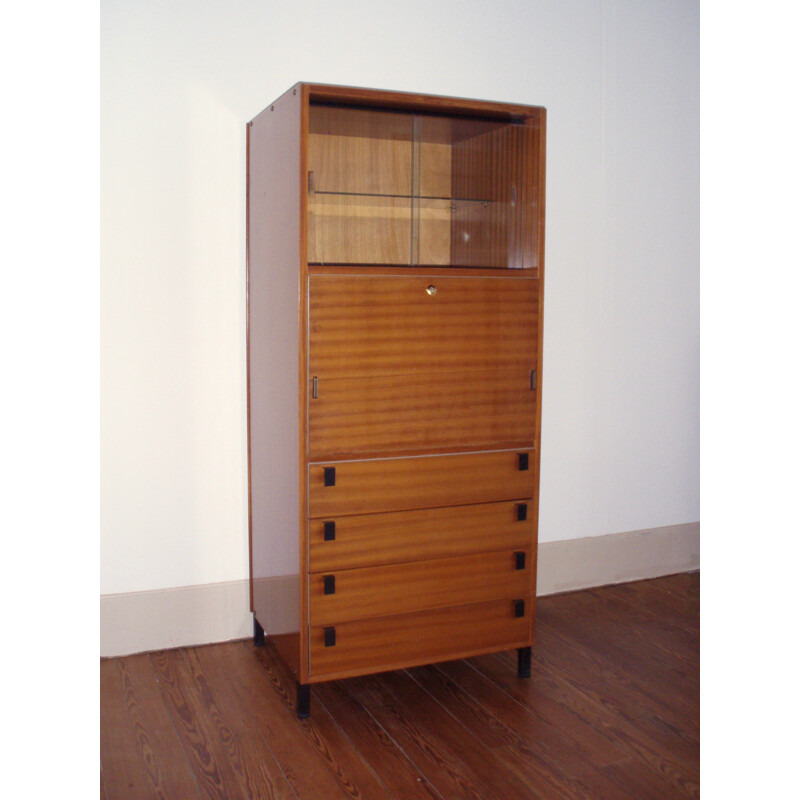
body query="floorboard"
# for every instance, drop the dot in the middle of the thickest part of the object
(610, 712)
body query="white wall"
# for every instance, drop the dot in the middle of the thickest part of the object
(621, 379)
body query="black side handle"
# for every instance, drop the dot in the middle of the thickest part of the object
(330, 531)
(522, 461)
(519, 560)
(330, 476)
(330, 637)
(329, 583)
(522, 511)
(519, 609)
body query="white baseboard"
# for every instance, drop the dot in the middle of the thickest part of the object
(191, 615)
(163, 618)
(572, 564)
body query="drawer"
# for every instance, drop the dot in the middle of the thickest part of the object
(372, 539)
(429, 411)
(367, 326)
(418, 585)
(382, 643)
(398, 484)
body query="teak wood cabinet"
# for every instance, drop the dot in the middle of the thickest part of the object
(395, 271)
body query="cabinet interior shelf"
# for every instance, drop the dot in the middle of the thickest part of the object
(481, 200)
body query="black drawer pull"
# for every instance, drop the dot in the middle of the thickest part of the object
(330, 531)
(522, 511)
(329, 583)
(523, 461)
(519, 560)
(330, 476)
(330, 637)
(519, 609)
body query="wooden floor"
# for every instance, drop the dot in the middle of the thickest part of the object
(611, 711)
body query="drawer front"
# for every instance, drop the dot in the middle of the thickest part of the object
(416, 586)
(372, 539)
(367, 326)
(382, 643)
(396, 413)
(398, 484)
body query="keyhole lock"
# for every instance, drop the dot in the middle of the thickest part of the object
(431, 290)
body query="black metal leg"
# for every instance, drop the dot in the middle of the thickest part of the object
(258, 634)
(303, 700)
(523, 662)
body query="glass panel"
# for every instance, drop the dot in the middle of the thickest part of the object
(399, 189)
(359, 229)
(360, 186)
(475, 172)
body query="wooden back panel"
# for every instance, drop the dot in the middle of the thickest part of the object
(495, 166)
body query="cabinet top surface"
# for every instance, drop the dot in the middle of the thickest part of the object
(409, 101)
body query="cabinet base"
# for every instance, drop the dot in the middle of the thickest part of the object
(258, 634)
(523, 662)
(303, 700)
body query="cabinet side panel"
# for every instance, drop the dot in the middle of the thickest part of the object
(274, 208)
(535, 191)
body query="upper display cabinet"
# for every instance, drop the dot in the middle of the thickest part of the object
(396, 188)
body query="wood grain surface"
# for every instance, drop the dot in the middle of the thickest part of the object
(496, 232)
(611, 712)
(408, 101)
(360, 151)
(361, 326)
(374, 539)
(344, 229)
(398, 484)
(429, 411)
(383, 643)
(417, 586)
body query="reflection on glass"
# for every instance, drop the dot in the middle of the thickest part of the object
(399, 189)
